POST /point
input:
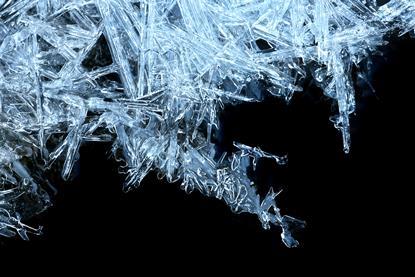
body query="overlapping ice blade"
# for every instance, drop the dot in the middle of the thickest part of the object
(152, 76)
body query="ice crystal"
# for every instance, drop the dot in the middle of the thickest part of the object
(152, 76)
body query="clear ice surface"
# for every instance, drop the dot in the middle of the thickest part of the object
(152, 77)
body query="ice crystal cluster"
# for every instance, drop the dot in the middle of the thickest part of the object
(152, 76)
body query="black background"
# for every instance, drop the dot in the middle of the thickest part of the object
(349, 201)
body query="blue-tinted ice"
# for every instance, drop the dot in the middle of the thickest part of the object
(173, 65)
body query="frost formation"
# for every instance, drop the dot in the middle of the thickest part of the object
(173, 65)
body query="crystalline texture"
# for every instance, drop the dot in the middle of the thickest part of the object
(173, 65)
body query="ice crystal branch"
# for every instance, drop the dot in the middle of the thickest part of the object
(152, 77)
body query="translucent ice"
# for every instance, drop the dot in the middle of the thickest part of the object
(152, 77)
